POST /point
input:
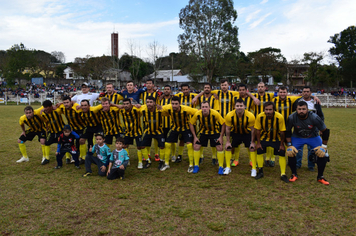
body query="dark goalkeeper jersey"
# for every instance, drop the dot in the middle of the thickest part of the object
(307, 128)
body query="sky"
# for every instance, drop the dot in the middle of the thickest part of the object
(79, 28)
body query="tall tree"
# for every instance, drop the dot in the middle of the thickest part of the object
(344, 51)
(155, 52)
(209, 32)
(61, 58)
(313, 59)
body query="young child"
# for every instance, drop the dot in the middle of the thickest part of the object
(118, 161)
(101, 159)
(66, 144)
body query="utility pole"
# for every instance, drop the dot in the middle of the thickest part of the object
(172, 67)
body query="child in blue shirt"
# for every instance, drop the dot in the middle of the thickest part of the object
(66, 144)
(118, 161)
(101, 159)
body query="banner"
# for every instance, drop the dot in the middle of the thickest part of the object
(23, 100)
(2, 100)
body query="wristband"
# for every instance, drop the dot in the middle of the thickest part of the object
(324, 146)
(289, 144)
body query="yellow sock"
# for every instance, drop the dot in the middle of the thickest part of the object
(237, 153)
(149, 150)
(68, 156)
(144, 154)
(260, 160)
(221, 158)
(23, 151)
(190, 153)
(162, 156)
(180, 150)
(83, 151)
(253, 158)
(155, 145)
(196, 157)
(48, 149)
(127, 150)
(167, 149)
(213, 151)
(43, 150)
(139, 156)
(228, 155)
(173, 150)
(282, 164)
(269, 153)
(273, 158)
(201, 152)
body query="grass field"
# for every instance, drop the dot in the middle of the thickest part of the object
(39, 200)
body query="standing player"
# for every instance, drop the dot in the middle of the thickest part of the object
(131, 93)
(180, 117)
(240, 127)
(86, 95)
(115, 98)
(306, 126)
(33, 120)
(210, 122)
(54, 124)
(270, 128)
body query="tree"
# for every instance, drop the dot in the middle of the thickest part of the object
(60, 57)
(155, 52)
(209, 32)
(344, 51)
(135, 52)
(314, 60)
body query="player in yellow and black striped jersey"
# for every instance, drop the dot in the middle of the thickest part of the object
(210, 122)
(149, 92)
(207, 96)
(54, 125)
(180, 116)
(110, 122)
(186, 97)
(270, 132)
(91, 118)
(115, 98)
(33, 120)
(240, 127)
(284, 103)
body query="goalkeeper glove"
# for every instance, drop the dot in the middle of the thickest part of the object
(320, 150)
(291, 151)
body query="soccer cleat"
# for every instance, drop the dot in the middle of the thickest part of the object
(140, 165)
(78, 167)
(165, 167)
(190, 169)
(259, 175)
(43, 158)
(23, 159)
(311, 169)
(293, 178)
(173, 158)
(147, 165)
(161, 163)
(201, 160)
(67, 161)
(157, 157)
(72, 160)
(266, 163)
(214, 161)
(87, 174)
(253, 173)
(122, 177)
(196, 169)
(235, 163)
(227, 171)
(45, 161)
(221, 170)
(323, 181)
(250, 163)
(179, 158)
(285, 178)
(57, 167)
(271, 163)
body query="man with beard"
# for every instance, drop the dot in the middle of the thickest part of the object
(115, 98)
(270, 128)
(306, 126)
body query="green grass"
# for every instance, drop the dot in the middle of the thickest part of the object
(39, 200)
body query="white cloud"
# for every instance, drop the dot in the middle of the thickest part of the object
(264, 1)
(259, 21)
(252, 16)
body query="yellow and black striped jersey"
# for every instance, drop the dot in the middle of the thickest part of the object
(91, 118)
(270, 128)
(208, 124)
(240, 125)
(248, 101)
(53, 121)
(73, 117)
(267, 97)
(186, 100)
(35, 124)
(115, 98)
(132, 121)
(152, 121)
(180, 120)
(226, 101)
(166, 119)
(146, 94)
(110, 121)
(285, 107)
(214, 103)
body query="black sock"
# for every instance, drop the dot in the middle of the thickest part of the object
(292, 162)
(321, 166)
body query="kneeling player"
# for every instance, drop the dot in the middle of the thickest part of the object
(270, 128)
(305, 126)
